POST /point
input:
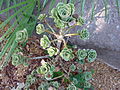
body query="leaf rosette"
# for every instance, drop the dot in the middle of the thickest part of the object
(21, 36)
(87, 75)
(42, 17)
(62, 14)
(55, 84)
(52, 51)
(45, 42)
(81, 54)
(84, 34)
(43, 69)
(67, 54)
(16, 59)
(40, 28)
(72, 67)
(80, 21)
(92, 54)
(71, 87)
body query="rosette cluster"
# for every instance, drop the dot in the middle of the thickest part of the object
(86, 54)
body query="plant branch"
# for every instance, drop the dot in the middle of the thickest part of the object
(56, 77)
(41, 57)
(72, 34)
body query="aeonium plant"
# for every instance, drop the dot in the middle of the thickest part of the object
(56, 45)
(55, 42)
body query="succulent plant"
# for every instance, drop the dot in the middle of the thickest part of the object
(52, 68)
(71, 87)
(87, 85)
(67, 54)
(84, 34)
(31, 79)
(82, 61)
(40, 28)
(81, 54)
(87, 75)
(43, 69)
(16, 59)
(21, 36)
(42, 17)
(72, 67)
(43, 86)
(52, 51)
(75, 81)
(62, 14)
(80, 21)
(55, 84)
(49, 75)
(45, 42)
(91, 55)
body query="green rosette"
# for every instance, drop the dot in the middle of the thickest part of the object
(87, 75)
(71, 87)
(55, 84)
(43, 69)
(42, 17)
(84, 34)
(72, 67)
(40, 28)
(62, 14)
(45, 42)
(67, 54)
(81, 54)
(80, 21)
(92, 54)
(16, 59)
(21, 36)
(52, 51)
